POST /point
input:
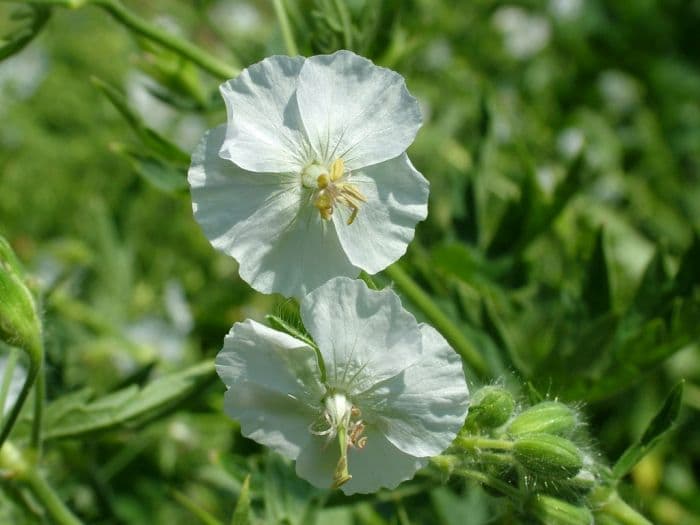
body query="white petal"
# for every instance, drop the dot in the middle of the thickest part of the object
(379, 465)
(355, 110)
(274, 360)
(269, 417)
(365, 336)
(397, 199)
(265, 132)
(263, 221)
(306, 255)
(421, 410)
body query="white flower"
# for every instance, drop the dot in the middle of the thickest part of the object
(381, 396)
(309, 179)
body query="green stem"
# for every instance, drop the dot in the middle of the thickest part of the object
(49, 499)
(492, 482)
(39, 399)
(203, 59)
(474, 443)
(36, 356)
(13, 462)
(617, 508)
(10, 365)
(286, 28)
(368, 280)
(141, 27)
(437, 318)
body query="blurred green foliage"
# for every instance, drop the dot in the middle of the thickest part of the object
(562, 144)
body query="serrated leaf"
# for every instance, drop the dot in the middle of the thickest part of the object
(662, 422)
(595, 290)
(36, 19)
(241, 514)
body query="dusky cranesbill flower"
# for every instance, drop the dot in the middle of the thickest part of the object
(380, 396)
(309, 178)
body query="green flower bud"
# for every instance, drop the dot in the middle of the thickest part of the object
(548, 456)
(19, 321)
(446, 463)
(548, 510)
(549, 417)
(491, 406)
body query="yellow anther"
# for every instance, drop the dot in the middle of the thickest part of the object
(324, 204)
(337, 169)
(322, 181)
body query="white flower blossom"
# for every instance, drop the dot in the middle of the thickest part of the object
(309, 178)
(366, 410)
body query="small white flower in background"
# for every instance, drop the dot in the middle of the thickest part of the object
(309, 178)
(382, 395)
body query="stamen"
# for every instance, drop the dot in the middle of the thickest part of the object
(337, 169)
(333, 190)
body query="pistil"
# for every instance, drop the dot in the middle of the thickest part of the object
(341, 421)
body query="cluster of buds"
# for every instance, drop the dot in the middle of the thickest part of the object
(539, 451)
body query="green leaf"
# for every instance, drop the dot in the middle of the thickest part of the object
(36, 19)
(288, 499)
(545, 215)
(663, 421)
(241, 514)
(653, 288)
(595, 290)
(688, 275)
(74, 416)
(452, 508)
(515, 220)
(280, 324)
(151, 139)
(161, 175)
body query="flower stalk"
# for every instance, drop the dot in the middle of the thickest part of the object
(141, 27)
(286, 28)
(437, 318)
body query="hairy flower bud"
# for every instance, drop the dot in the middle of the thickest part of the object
(491, 407)
(547, 510)
(548, 456)
(19, 321)
(549, 417)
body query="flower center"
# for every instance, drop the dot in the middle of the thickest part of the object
(340, 420)
(331, 188)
